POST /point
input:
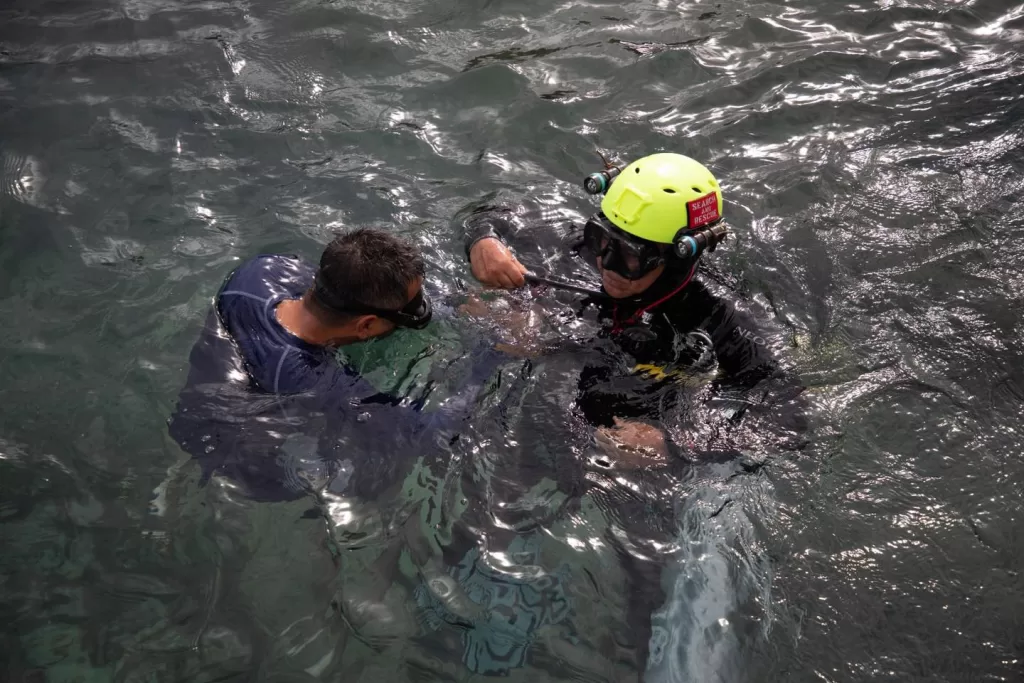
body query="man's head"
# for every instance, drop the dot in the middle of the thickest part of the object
(628, 265)
(369, 283)
(648, 216)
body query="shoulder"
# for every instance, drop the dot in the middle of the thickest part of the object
(293, 370)
(263, 279)
(697, 299)
(717, 313)
(281, 269)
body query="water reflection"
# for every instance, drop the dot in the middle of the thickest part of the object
(872, 155)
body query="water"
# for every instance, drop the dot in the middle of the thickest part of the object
(872, 159)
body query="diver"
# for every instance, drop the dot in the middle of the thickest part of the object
(659, 215)
(271, 414)
(661, 334)
(267, 403)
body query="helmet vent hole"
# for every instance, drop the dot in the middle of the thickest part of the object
(669, 190)
(696, 189)
(636, 170)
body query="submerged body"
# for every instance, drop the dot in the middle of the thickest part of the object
(281, 417)
(651, 342)
(671, 356)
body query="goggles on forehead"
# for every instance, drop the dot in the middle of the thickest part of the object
(416, 314)
(620, 252)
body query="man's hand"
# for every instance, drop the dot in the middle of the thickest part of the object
(519, 328)
(633, 444)
(494, 265)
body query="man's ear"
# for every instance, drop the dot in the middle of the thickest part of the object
(365, 326)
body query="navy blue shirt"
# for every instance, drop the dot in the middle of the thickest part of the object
(276, 360)
(280, 416)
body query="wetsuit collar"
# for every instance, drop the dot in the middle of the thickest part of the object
(672, 282)
(675, 275)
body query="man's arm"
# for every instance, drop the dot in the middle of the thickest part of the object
(498, 233)
(339, 429)
(751, 379)
(381, 436)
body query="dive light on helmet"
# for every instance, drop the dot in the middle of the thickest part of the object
(693, 243)
(598, 183)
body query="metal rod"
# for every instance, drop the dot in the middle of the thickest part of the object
(559, 284)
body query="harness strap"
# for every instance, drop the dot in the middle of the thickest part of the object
(617, 324)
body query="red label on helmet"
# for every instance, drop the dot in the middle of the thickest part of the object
(702, 211)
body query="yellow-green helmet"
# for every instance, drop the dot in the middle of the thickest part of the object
(657, 196)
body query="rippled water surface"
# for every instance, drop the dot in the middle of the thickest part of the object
(872, 157)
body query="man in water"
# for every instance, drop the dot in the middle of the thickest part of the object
(266, 402)
(662, 331)
(270, 413)
(654, 309)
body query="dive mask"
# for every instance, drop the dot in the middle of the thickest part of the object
(620, 252)
(416, 314)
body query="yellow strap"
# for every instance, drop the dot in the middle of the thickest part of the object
(655, 371)
(659, 373)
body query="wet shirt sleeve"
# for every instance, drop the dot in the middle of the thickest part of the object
(536, 235)
(338, 433)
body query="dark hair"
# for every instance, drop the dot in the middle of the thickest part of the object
(369, 267)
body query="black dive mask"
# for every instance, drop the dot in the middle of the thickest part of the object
(620, 252)
(416, 314)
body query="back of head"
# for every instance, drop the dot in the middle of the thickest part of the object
(369, 267)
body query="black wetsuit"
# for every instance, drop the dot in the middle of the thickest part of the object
(649, 344)
(650, 350)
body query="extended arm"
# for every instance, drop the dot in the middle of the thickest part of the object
(498, 234)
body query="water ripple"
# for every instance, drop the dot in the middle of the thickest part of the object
(871, 154)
